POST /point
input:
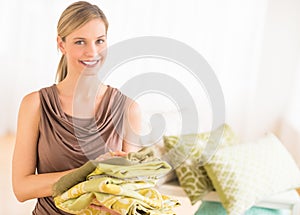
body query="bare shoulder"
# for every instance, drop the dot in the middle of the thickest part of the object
(32, 97)
(132, 127)
(28, 119)
(31, 102)
(134, 109)
(134, 106)
(133, 115)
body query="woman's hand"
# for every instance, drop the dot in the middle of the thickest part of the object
(102, 208)
(111, 154)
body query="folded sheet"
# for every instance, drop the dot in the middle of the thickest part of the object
(117, 184)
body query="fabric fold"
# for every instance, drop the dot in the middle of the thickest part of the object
(118, 184)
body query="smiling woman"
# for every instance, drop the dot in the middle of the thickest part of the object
(83, 48)
(62, 126)
(89, 23)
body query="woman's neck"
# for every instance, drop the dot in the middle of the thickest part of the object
(85, 91)
(83, 85)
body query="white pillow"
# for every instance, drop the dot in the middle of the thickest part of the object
(246, 173)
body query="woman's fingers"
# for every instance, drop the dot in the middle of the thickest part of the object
(102, 208)
(119, 153)
(111, 154)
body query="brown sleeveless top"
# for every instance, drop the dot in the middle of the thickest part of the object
(66, 142)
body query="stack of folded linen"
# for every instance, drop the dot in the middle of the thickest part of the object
(125, 185)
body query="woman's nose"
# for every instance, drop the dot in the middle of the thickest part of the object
(91, 50)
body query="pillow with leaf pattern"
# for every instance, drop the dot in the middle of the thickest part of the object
(184, 154)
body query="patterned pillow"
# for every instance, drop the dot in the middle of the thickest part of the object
(186, 150)
(245, 173)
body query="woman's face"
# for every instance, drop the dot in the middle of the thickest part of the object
(85, 48)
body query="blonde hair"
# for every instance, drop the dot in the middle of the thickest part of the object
(73, 17)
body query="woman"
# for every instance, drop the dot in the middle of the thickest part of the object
(63, 126)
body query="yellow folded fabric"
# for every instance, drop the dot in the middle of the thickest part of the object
(125, 197)
(127, 189)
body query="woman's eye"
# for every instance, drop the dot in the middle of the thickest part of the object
(100, 41)
(79, 42)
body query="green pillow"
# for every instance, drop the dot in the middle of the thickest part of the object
(245, 173)
(185, 151)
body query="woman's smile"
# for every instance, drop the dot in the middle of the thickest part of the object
(90, 63)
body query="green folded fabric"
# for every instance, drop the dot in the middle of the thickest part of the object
(145, 154)
(152, 169)
(72, 178)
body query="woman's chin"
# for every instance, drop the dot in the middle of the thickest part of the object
(90, 72)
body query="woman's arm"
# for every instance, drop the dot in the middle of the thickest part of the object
(131, 141)
(27, 184)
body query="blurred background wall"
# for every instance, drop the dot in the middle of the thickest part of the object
(252, 46)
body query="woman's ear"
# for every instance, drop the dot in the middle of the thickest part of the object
(61, 44)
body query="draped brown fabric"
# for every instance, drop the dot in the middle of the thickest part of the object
(67, 142)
